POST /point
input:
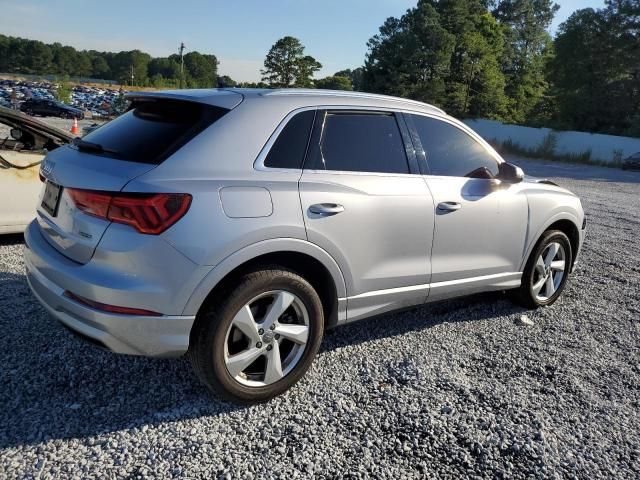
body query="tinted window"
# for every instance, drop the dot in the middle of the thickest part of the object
(364, 142)
(151, 130)
(289, 148)
(449, 150)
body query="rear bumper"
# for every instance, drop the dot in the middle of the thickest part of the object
(155, 336)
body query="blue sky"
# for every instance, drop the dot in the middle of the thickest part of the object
(239, 33)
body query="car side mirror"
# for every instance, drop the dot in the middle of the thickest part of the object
(510, 173)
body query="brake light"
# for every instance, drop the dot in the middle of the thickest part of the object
(148, 213)
(110, 308)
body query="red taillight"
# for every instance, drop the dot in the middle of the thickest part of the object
(93, 203)
(110, 308)
(147, 213)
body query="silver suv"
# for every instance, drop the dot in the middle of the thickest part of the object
(237, 225)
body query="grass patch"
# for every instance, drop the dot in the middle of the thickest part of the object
(547, 150)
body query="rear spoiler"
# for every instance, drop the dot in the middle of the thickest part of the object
(217, 97)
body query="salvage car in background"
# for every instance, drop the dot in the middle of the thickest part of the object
(24, 141)
(50, 108)
(632, 162)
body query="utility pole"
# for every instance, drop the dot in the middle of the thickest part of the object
(181, 63)
(132, 75)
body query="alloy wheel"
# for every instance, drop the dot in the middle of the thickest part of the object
(266, 338)
(549, 271)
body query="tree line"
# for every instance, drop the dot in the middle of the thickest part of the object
(18, 55)
(495, 59)
(475, 58)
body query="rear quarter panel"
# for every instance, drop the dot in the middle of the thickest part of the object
(216, 163)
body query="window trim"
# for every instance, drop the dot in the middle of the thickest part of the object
(259, 165)
(405, 138)
(419, 149)
(405, 132)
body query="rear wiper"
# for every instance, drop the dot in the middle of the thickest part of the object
(85, 146)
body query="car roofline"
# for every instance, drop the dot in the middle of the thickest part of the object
(310, 92)
(230, 97)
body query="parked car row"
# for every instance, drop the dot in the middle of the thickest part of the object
(92, 101)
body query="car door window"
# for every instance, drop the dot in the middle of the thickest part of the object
(450, 151)
(360, 142)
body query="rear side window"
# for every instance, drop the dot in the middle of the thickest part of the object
(153, 129)
(451, 151)
(361, 142)
(291, 145)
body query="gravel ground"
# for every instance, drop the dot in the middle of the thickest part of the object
(461, 388)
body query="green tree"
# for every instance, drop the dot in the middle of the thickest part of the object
(169, 67)
(334, 83)
(476, 84)
(287, 66)
(19, 55)
(528, 49)
(37, 57)
(410, 57)
(64, 59)
(62, 91)
(201, 71)
(354, 75)
(227, 81)
(135, 62)
(99, 66)
(596, 70)
(444, 52)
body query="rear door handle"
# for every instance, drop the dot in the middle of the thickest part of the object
(449, 206)
(326, 209)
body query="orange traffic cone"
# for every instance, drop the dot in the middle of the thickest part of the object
(74, 127)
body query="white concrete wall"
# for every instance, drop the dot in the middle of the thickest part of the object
(602, 146)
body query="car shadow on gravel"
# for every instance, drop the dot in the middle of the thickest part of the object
(482, 306)
(55, 386)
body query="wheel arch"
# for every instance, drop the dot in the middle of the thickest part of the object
(306, 259)
(567, 224)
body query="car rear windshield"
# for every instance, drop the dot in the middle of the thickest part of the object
(152, 129)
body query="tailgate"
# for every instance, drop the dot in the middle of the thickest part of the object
(71, 231)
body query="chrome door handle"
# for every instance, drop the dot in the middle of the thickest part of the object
(326, 209)
(449, 206)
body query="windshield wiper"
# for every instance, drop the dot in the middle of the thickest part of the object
(85, 146)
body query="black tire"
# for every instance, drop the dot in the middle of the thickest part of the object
(207, 342)
(524, 294)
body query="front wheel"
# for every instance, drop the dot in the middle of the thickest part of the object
(547, 270)
(258, 338)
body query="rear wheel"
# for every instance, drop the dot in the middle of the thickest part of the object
(258, 338)
(547, 270)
